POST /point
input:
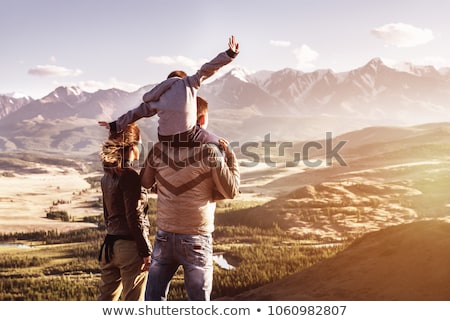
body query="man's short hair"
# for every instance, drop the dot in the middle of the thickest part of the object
(202, 106)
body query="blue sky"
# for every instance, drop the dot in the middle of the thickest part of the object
(129, 44)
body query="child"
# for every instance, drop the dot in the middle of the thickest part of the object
(175, 101)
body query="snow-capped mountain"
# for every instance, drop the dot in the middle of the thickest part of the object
(289, 104)
(9, 103)
(235, 90)
(73, 102)
(69, 95)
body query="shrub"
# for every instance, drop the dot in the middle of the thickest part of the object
(58, 215)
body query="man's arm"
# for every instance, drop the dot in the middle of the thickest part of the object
(226, 176)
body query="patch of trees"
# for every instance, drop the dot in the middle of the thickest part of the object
(58, 215)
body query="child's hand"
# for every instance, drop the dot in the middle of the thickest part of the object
(234, 46)
(104, 124)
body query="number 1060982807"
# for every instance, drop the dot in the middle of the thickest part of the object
(306, 310)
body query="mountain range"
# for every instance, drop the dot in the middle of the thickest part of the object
(287, 104)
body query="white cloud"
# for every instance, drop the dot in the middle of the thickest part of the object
(177, 60)
(161, 60)
(436, 61)
(305, 57)
(403, 35)
(93, 85)
(280, 43)
(52, 70)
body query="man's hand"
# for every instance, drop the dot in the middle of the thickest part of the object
(104, 124)
(226, 147)
(234, 46)
(146, 263)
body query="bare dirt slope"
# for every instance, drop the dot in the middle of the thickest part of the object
(404, 262)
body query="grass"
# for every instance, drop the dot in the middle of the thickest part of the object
(63, 266)
(250, 234)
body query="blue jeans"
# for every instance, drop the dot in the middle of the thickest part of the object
(193, 252)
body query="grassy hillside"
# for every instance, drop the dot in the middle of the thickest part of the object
(285, 221)
(64, 266)
(407, 262)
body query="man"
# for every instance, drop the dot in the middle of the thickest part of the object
(187, 179)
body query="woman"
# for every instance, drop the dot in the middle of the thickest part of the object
(125, 253)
